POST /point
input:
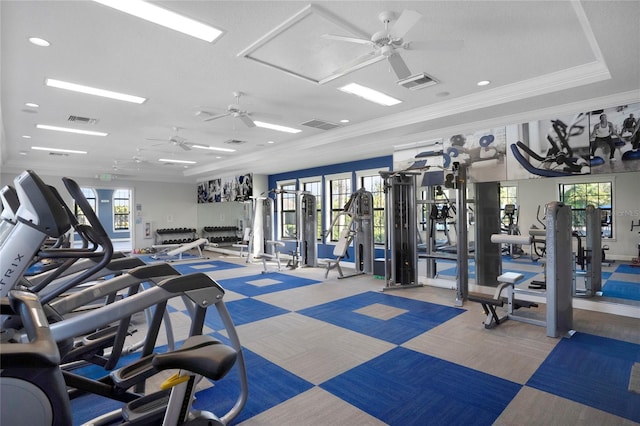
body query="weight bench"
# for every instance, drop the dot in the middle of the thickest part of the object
(507, 282)
(171, 252)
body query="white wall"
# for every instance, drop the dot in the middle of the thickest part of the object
(165, 205)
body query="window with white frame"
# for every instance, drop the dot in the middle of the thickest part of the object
(121, 209)
(375, 185)
(314, 186)
(287, 210)
(340, 191)
(580, 195)
(90, 195)
(508, 195)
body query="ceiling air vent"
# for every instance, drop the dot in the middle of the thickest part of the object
(321, 124)
(235, 142)
(58, 154)
(83, 120)
(418, 81)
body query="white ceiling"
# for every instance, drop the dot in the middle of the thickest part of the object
(558, 54)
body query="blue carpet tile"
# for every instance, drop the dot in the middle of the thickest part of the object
(403, 387)
(208, 266)
(243, 311)
(418, 318)
(269, 385)
(621, 289)
(594, 371)
(628, 269)
(256, 285)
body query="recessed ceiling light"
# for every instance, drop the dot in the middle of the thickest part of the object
(166, 18)
(369, 94)
(32, 105)
(23, 153)
(167, 160)
(276, 127)
(344, 121)
(39, 41)
(93, 91)
(66, 151)
(213, 148)
(70, 130)
(26, 137)
(483, 83)
(270, 142)
(218, 157)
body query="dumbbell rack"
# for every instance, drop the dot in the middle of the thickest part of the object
(221, 235)
(175, 236)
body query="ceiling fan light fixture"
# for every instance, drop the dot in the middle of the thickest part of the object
(213, 148)
(157, 15)
(369, 94)
(93, 91)
(277, 127)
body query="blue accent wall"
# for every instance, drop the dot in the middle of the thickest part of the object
(104, 206)
(326, 250)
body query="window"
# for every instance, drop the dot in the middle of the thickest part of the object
(508, 196)
(121, 209)
(315, 188)
(580, 195)
(90, 195)
(375, 185)
(339, 193)
(287, 204)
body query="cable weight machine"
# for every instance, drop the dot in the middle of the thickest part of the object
(400, 251)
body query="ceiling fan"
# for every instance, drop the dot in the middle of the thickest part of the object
(233, 110)
(135, 162)
(385, 43)
(174, 140)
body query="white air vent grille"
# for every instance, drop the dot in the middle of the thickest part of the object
(418, 81)
(83, 120)
(321, 124)
(235, 142)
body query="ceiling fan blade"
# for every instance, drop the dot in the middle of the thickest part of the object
(405, 22)
(347, 39)
(399, 66)
(156, 139)
(247, 120)
(215, 117)
(184, 146)
(436, 45)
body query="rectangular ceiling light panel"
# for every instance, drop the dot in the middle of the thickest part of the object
(369, 94)
(93, 91)
(70, 130)
(277, 127)
(66, 151)
(157, 15)
(213, 148)
(169, 160)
